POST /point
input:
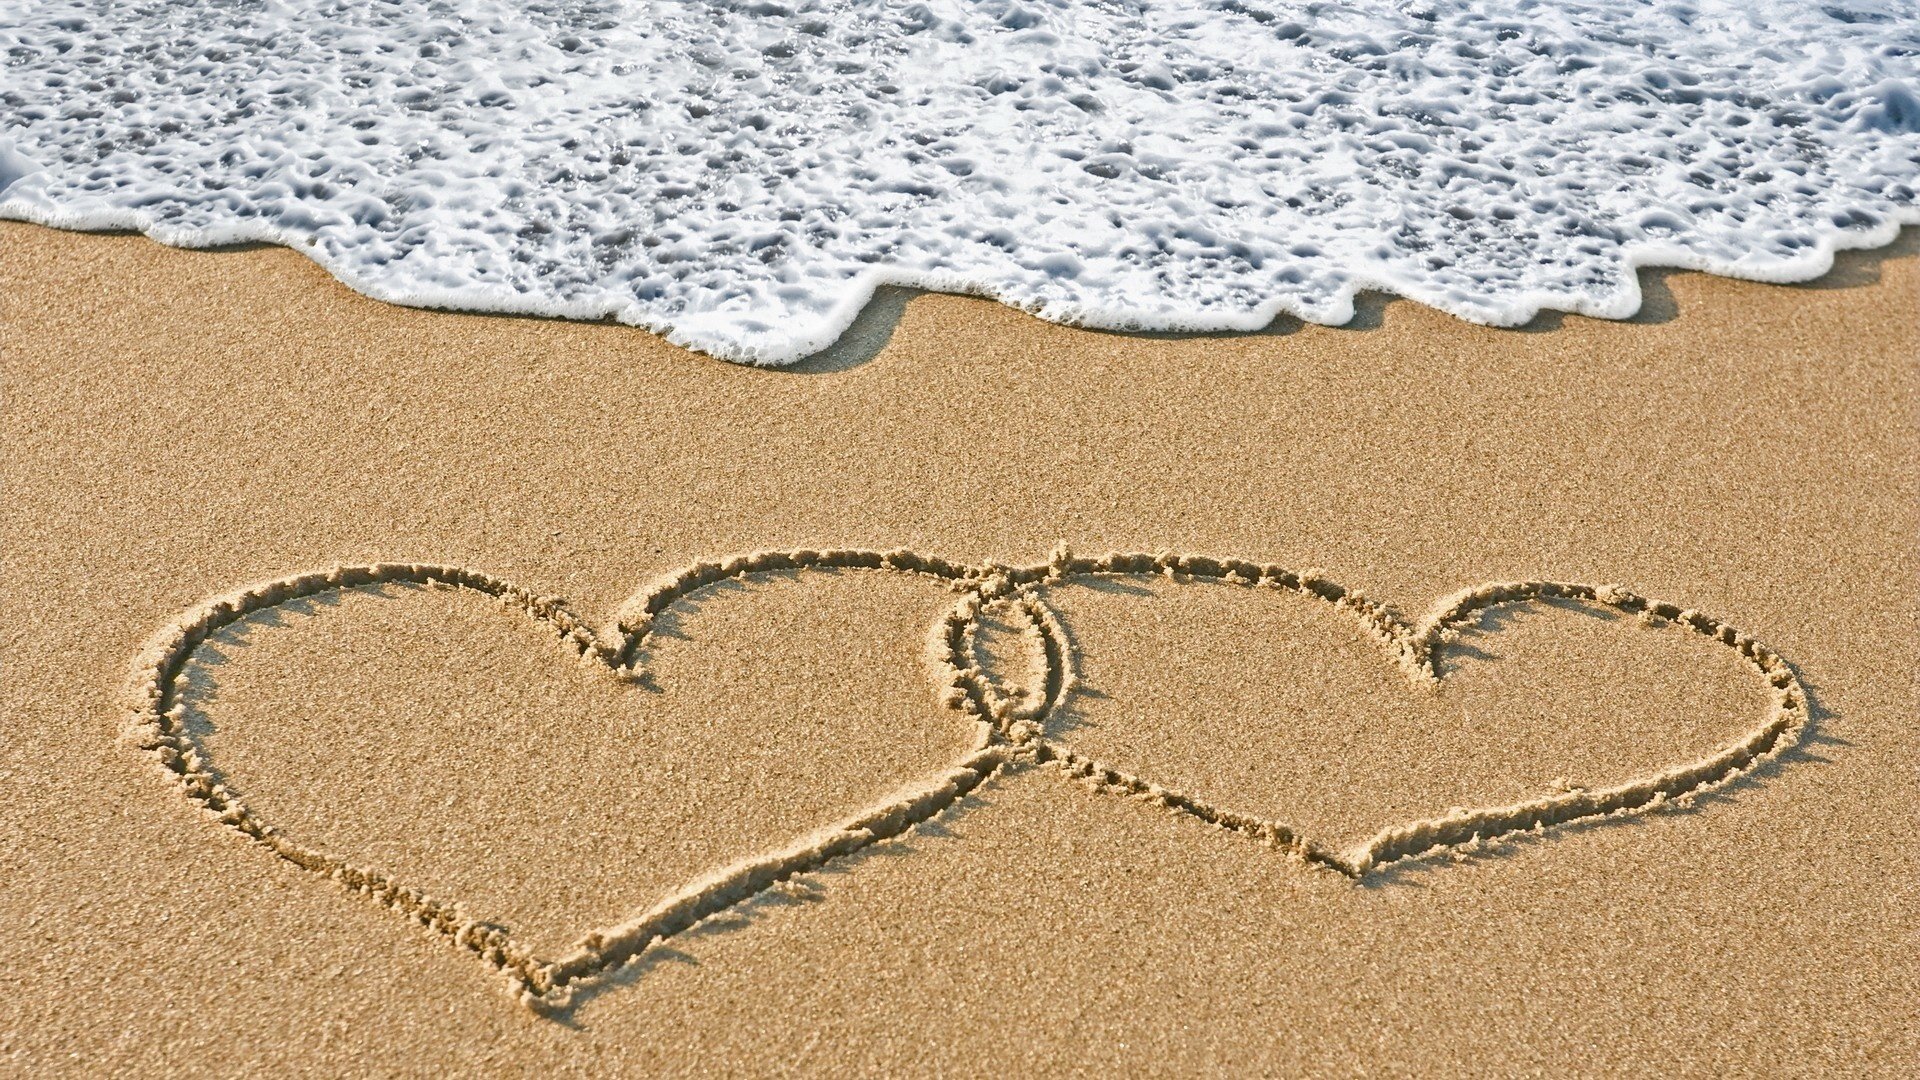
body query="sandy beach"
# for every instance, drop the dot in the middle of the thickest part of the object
(181, 425)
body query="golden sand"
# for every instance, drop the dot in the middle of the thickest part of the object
(883, 816)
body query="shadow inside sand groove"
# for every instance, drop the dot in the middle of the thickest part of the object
(1416, 871)
(809, 889)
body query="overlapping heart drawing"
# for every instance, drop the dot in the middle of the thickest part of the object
(1010, 725)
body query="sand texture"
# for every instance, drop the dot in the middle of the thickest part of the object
(984, 696)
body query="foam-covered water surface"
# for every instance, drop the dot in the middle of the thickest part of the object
(741, 174)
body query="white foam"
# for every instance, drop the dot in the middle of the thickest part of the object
(741, 175)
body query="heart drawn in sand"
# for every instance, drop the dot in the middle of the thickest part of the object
(1418, 649)
(1010, 726)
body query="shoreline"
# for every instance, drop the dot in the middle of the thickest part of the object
(1892, 239)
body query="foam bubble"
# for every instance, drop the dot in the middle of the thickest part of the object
(741, 174)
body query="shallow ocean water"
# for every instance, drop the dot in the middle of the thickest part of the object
(741, 174)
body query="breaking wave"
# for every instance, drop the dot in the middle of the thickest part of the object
(741, 174)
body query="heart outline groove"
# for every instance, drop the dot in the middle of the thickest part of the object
(1009, 726)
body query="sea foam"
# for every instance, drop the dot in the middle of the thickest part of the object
(741, 174)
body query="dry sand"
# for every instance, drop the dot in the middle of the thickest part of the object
(179, 425)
